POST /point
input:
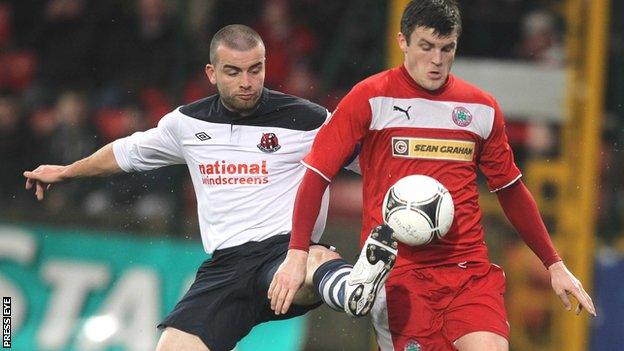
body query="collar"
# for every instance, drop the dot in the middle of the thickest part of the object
(264, 96)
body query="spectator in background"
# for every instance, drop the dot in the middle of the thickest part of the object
(151, 196)
(149, 55)
(199, 18)
(64, 44)
(72, 136)
(15, 146)
(541, 41)
(157, 54)
(302, 81)
(288, 42)
(17, 65)
(491, 27)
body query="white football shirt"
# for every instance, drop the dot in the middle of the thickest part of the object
(245, 170)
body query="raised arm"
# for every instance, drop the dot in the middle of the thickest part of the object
(141, 151)
(100, 163)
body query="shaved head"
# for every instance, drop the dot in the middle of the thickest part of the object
(235, 36)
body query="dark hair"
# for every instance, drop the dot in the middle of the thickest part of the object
(234, 36)
(441, 15)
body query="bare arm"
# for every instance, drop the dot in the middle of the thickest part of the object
(291, 273)
(100, 163)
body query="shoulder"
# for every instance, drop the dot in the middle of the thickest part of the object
(375, 84)
(469, 92)
(291, 112)
(171, 120)
(359, 97)
(200, 109)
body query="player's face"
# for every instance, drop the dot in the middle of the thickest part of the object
(239, 77)
(428, 56)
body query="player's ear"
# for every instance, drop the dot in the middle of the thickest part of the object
(402, 42)
(211, 73)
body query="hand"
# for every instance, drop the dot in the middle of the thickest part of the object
(287, 281)
(565, 283)
(43, 177)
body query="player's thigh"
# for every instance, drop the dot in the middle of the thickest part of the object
(478, 309)
(173, 339)
(404, 316)
(482, 341)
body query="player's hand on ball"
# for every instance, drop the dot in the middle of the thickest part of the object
(287, 281)
(43, 177)
(565, 283)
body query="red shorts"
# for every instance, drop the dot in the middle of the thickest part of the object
(430, 308)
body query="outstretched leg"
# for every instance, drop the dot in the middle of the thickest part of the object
(370, 272)
(340, 285)
(482, 340)
(320, 259)
(354, 290)
(175, 339)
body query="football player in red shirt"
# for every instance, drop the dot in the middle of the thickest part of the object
(420, 119)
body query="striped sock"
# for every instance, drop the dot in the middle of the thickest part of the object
(329, 281)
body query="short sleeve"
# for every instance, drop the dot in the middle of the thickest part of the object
(151, 149)
(496, 161)
(336, 141)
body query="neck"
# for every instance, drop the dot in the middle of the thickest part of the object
(415, 81)
(242, 113)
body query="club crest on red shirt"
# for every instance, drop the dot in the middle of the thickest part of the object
(269, 142)
(461, 116)
(412, 345)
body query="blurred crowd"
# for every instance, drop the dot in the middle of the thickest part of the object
(77, 74)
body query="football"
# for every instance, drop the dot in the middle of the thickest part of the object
(418, 208)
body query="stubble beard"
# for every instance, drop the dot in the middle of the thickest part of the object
(240, 106)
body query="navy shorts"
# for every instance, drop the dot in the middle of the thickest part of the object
(229, 295)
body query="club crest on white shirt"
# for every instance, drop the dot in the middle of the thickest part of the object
(269, 143)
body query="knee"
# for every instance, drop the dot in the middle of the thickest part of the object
(479, 341)
(319, 255)
(175, 339)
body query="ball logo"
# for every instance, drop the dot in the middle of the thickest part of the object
(269, 143)
(461, 116)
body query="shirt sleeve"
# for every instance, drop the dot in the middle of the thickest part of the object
(151, 149)
(521, 210)
(336, 142)
(496, 161)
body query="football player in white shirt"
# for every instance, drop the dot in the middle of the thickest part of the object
(243, 148)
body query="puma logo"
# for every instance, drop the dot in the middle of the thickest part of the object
(397, 108)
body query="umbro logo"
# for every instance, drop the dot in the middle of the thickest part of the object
(202, 136)
(397, 108)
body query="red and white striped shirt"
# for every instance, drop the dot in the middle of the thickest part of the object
(404, 129)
